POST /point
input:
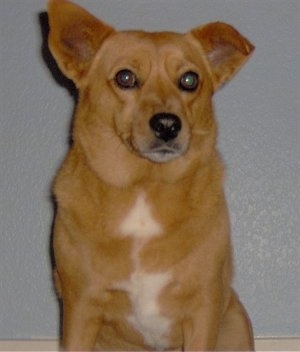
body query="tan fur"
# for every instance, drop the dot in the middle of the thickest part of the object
(106, 171)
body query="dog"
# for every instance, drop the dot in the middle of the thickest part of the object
(141, 235)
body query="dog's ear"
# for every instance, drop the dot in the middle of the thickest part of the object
(75, 37)
(225, 48)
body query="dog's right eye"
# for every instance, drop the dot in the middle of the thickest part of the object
(126, 79)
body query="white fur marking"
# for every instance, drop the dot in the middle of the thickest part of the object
(139, 222)
(144, 290)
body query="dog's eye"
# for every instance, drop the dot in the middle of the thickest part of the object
(189, 81)
(126, 79)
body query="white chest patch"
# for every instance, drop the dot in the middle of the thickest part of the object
(144, 288)
(139, 222)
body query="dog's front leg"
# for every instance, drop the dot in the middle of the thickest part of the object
(80, 326)
(199, 336)
(201, 328)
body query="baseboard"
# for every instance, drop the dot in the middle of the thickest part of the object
(261, 344)
(29, 345)
(277, 344)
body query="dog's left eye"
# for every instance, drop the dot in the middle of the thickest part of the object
(126, 79)
(189, 81)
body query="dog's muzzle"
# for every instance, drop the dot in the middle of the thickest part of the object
(165, 145)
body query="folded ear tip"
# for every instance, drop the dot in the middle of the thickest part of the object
(221, 31)
(250, 48)
(226, 49)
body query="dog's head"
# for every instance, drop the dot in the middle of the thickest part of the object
(148, 93)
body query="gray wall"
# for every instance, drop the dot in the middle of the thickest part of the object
(259, 138)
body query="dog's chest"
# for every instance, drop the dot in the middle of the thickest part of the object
(144, 288)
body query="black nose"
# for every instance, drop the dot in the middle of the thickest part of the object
(165, 126)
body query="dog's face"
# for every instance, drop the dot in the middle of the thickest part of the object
(155, 87)
(150, 90)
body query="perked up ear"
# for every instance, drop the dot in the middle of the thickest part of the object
(75, 37)
(225, 48)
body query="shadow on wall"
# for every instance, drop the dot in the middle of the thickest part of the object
(62, 81)
(50, 61)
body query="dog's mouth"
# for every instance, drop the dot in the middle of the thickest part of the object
(163, 153)
(157, 151)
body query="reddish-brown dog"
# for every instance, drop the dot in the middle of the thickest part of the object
(141, 238)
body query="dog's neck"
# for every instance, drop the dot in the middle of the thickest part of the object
(125, 169)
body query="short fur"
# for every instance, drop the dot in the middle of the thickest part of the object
(142, 246)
